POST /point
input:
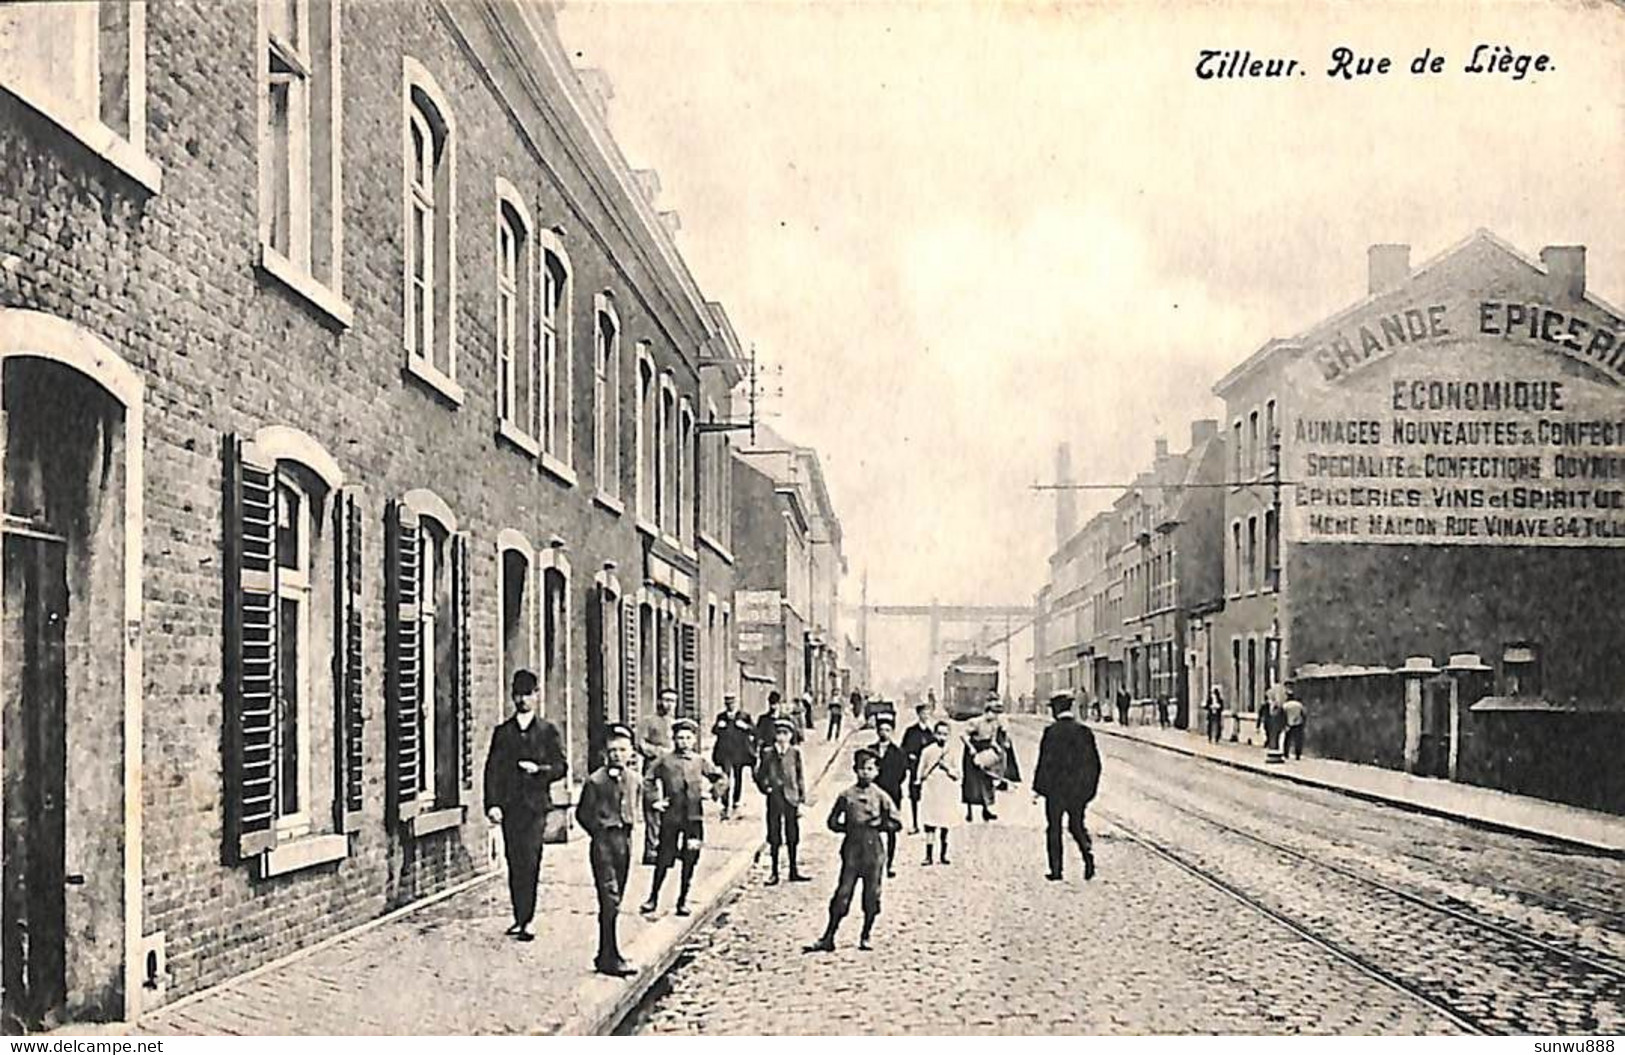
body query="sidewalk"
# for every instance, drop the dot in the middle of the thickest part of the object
(1483, 807)
(447, 968)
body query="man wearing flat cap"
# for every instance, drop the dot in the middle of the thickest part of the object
(1067, 776)
(609, 804)
(525, 759)
(892, 772)
(680, 781)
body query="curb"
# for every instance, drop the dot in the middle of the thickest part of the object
(1408, 805)
(622, 998)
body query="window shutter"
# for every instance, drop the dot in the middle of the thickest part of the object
(347, 660)
(404, 657)
(629, 659)
(460, 595)
(688, 700)
(251, 650)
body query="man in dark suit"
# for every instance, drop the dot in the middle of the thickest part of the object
(893, 772)
(526, 757)
(1067, 777)
(916, 738)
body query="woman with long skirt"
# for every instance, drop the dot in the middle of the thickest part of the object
(982, 764)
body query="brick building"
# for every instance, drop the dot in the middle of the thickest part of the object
(1447, 485)
(1125, 587)
(347, 367)
(788, 570)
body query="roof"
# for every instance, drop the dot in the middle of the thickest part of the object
(1535, 705)
(1483, 236)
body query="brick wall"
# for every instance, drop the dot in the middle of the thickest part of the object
(168, 281)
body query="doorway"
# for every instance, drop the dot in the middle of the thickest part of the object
(69, 677)
(1433, 752)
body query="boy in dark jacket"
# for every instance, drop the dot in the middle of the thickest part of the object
(863, 813)
(609, 803)
(782, 782)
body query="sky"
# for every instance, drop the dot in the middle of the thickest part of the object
(969, 232)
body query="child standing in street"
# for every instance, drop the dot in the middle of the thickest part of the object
(780, 777)
(863, 813)
(681, 781)
(609, 802)
(938, 780)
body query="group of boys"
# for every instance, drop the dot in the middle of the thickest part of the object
(527, 756)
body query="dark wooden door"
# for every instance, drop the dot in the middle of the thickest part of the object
(35, 693)
(1434, 760)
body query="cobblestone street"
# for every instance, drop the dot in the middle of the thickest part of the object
(986, 945)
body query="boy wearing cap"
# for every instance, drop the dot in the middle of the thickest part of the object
(609, 802)
(782, 782)
(863, 813)
(680, 781)
(893, 766)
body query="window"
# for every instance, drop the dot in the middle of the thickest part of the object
(84, 66)
(1520, 669)
(1271, 455)
(430, 234)
(1236, 562)
(555, 655)
(299, 193)
(1272, 551)
(516, 645)
(1237, 693)
(293, 645)
(606, 397)
(684, 492)
(648, 442)
(1252, 553)
(515, 332)
(1252, 674)
(427, 661)
(556, 398)
(1235, 459)
(1253, 463)
(666, 457)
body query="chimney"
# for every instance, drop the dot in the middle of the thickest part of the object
(1162, 448)
(599, 90)
(1066, 501)
(1390, 267)
(1566, 264)
(1202, 431)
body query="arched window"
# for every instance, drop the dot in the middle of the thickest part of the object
(666, 458)
(428, 664)
(556, 367)
(683, 521)
(430, 231)
(606, 397)
(648, 436)
(515, 320)
(517, 619)
(295, 643)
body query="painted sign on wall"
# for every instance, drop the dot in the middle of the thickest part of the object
(1467, 428)
(756, 606)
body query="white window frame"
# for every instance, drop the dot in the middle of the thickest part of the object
(294, 584)
(648, 422)
(665, 453)
(429, 567)
(515, 283)
(126, 152)
(606, 396)
(685, 474)
(556, 432)
(416, 80)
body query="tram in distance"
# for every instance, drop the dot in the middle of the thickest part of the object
(967, 684)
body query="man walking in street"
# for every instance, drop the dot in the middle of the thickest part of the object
(916, 738)
(833, 730)
(1067, 776)
(1122, 706)
(1293, 710)
(783, 783)
(609, 804)
(526, 757)
(733, 748)
(654, 741)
